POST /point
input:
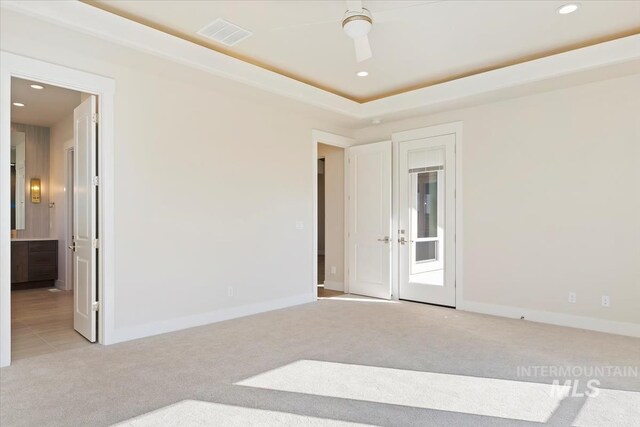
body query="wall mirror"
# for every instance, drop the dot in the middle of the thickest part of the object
(18, 180)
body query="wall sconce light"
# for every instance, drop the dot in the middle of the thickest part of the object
(35, 190)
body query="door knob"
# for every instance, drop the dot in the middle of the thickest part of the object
(402, 240)
(386, 239)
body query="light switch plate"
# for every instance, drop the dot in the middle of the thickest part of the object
(299, 225)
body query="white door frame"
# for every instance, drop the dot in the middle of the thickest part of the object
(327, 138)
(422, 133)
(19, 66)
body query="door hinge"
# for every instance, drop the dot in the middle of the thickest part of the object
(95, 243)
(95, 306)
(96, 181)
(95, 118)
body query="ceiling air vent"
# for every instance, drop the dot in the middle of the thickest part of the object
(224, 32)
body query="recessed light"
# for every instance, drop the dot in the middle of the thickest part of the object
(376, 121)
(38, 87)
(18, 104)
(568, 8)
(362, 74)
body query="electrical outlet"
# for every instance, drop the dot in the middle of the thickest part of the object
(605, 301)
(572, 297)
(230, 291)
(299, 225)
(333, 269)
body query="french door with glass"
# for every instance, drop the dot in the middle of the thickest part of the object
(426, 231)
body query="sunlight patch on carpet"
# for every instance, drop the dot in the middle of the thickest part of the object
(456, 393)
(610, 408)
(193, 413)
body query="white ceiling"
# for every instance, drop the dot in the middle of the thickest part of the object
(41, 107)
(415, 43)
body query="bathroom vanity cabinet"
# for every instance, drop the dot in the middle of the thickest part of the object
(34, 263)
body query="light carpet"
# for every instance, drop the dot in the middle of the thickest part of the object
(243, 367)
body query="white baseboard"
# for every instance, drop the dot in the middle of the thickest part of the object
(334, 286)
(60, 284)
(560, 319)
(171, 325)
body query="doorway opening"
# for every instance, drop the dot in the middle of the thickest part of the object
(330, 221)
(53, 280)
(101, 91)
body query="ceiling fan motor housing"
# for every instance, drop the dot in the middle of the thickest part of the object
(357, 24)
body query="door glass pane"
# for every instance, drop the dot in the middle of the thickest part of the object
(427, 204)
(426, 251)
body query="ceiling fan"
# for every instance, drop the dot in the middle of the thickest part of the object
(358, 21)
(356, 24)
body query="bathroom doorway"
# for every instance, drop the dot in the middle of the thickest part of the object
(93, 302)
(49, 307)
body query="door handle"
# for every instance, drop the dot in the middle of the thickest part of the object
(402, 241)
(386, 239)
(72, 246)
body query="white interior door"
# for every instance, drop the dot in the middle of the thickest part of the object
(84, 218)
(370, 220)
(427, 220)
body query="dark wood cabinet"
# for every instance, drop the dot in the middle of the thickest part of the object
(19, 264)
(34, 263)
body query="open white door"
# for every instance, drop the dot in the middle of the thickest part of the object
(427, 218)
(84, 219)
(370, 220)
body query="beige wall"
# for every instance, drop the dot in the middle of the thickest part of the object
(36, 166)
(551, 191)
(61, 139)
(211, 177)
(333, 214)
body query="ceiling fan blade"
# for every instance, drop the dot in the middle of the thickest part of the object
(354, 5)
(363, 48)
(397, 14)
